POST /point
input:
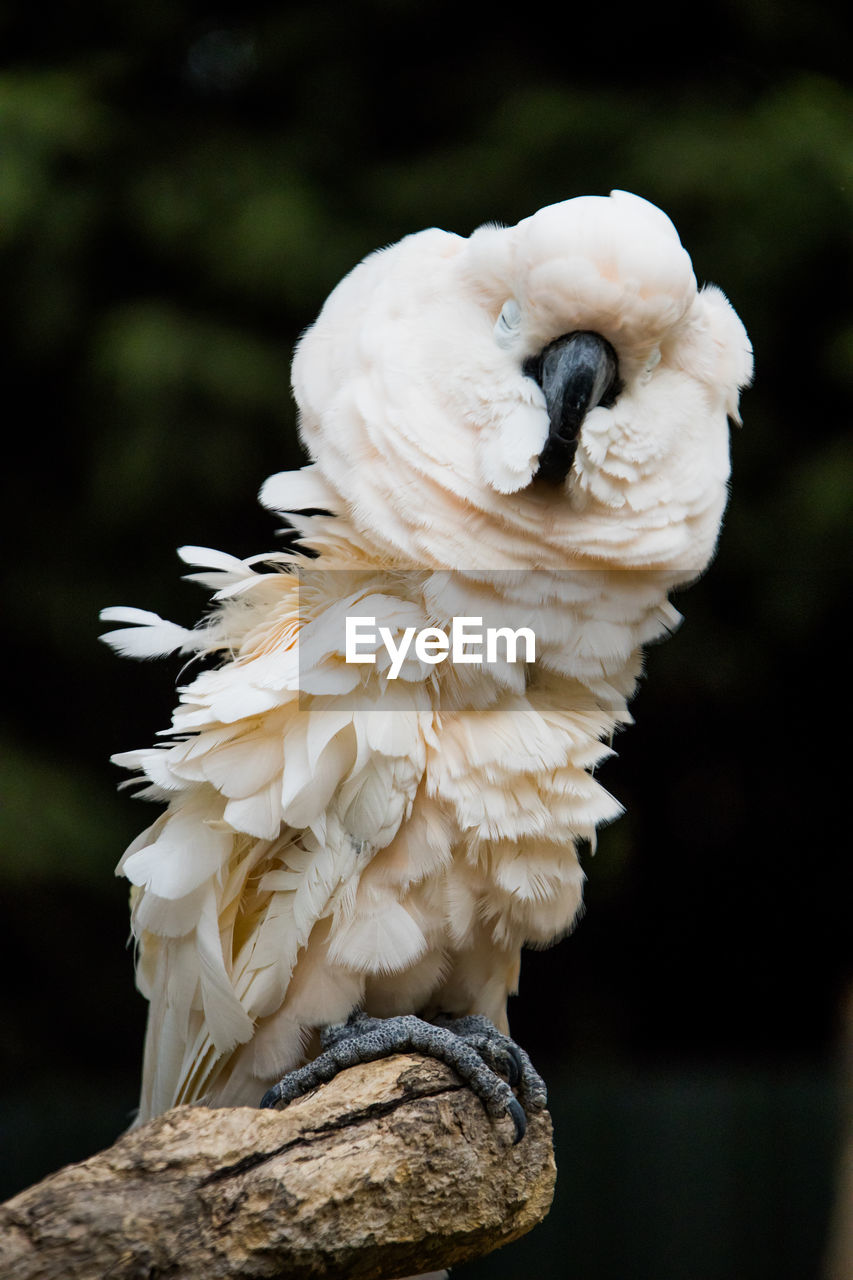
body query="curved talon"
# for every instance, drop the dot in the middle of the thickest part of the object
(516, 1110)
(515, 1064)
(271, 1097)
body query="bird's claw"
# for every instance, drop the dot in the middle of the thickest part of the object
(516, 1110)
(472, 1045)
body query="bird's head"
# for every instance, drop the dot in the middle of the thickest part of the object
(550, 394)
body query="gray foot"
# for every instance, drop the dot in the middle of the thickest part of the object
(476, 1050)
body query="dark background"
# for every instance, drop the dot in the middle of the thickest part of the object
(180, 187)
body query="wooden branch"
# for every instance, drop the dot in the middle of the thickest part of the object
(393, 1168)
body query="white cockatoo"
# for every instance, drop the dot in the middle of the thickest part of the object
(524, 429)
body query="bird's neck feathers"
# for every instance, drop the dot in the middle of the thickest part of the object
(493, 536)
(590, 620)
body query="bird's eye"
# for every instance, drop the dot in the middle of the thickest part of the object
(508, 323)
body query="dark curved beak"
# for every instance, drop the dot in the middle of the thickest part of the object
(576, 372)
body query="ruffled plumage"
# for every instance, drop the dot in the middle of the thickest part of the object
(334, 837)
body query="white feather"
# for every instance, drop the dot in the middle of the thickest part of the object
(385, 939)
(149, 637)
(226, 1019)
(297, 491)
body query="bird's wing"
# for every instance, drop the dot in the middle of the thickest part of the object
(284, 778)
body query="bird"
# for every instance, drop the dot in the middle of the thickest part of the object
(370, 808)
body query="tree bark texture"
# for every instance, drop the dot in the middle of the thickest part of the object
(390, 1169)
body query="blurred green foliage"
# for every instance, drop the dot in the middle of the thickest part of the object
(180, 187)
